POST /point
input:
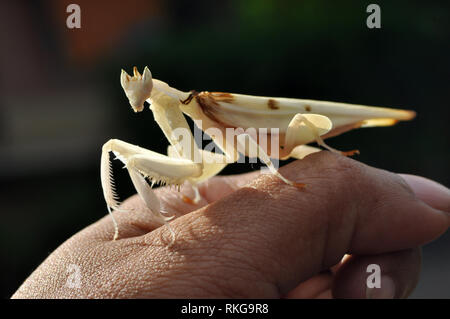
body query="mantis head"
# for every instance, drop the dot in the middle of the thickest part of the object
(137, 88)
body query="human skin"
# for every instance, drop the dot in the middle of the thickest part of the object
(253, 236)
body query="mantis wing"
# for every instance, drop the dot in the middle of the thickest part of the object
(238, 110)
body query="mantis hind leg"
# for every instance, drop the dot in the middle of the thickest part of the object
(247, 145)
(304, 128)
(301, 151)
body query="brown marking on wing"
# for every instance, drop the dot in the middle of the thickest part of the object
(272, 104)
(308, 108)
(189, 98)
(210, 106)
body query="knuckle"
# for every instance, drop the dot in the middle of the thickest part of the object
(334, 172)
(341, 166)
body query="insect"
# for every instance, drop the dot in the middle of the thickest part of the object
(297, 123)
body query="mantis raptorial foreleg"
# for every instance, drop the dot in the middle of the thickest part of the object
(142, 163)
(150, 199)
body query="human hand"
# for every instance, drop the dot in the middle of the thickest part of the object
(257, 237)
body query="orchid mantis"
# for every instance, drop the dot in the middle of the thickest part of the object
(297, 123)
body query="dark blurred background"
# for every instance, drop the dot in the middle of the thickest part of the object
(60, 97)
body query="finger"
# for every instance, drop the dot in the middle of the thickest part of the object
(283, 235)
(318, 285)
(432, 193)
(139, 220)
(398, 276)
(325, 295)
(313, 287)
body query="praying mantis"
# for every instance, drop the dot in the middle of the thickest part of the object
(293, 124)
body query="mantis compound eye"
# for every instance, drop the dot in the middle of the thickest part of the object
(137, 88)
